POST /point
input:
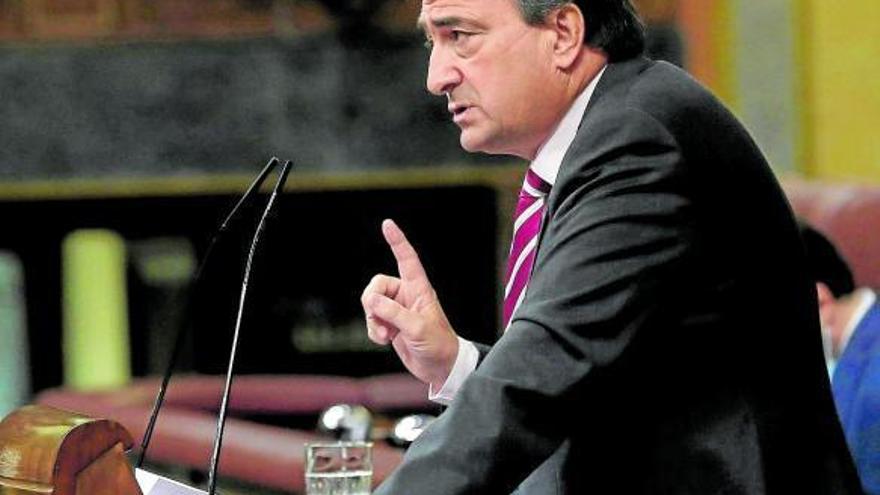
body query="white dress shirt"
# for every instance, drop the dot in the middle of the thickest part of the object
(546, 164)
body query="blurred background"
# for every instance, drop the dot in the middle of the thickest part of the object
(129, 127)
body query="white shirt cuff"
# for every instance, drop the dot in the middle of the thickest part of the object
(465, 364)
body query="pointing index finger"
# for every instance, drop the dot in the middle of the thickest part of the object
(408, 263)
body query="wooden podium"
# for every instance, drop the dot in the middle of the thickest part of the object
(53, 452)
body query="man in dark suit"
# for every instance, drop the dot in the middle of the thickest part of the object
(660, 331)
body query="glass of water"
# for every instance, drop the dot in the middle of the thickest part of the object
(339, 468)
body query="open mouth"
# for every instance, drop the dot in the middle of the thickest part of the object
(458, 112)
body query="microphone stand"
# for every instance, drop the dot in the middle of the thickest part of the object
(181, 331)
(221, 422)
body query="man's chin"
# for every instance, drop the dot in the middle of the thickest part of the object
(473, 144)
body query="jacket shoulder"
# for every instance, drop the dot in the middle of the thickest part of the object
(662, 91)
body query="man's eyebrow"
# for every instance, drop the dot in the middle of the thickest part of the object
(440, 22)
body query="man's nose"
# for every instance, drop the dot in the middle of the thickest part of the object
(443, 74)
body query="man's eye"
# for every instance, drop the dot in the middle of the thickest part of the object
(459, 35)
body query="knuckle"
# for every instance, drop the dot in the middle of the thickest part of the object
(381, 284)
(365, 297)
(387, 311)
(375, 333)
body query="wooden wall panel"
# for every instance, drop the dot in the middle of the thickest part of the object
(11, 19)
(50, 19)
(163, 19)
(708, 30)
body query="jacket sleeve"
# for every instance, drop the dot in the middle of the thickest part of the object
(618, 228)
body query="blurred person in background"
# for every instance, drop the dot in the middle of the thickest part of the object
(850, 318)
(652, 250)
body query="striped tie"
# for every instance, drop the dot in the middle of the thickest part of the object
(526, 227)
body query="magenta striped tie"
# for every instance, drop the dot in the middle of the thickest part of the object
(526, 227)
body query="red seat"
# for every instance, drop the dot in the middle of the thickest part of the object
(850, 216)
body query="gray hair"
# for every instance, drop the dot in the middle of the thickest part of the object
(535, 11)
(612, 25)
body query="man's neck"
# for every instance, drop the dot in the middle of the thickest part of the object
(590, 63)
(587, 67)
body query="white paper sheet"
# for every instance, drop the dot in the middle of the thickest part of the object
(153, 484)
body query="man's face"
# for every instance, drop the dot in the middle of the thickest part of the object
(496, 71)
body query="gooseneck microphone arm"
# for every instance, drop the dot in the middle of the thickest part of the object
(181, 330)
(221, 422)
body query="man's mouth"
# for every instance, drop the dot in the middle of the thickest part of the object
(458, 110)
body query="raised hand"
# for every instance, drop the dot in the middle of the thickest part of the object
(404, 311)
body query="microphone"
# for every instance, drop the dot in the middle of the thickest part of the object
(349, 422)
(197, 280)
(408, 428)
(221, 422)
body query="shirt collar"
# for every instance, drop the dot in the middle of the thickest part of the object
(549, 158)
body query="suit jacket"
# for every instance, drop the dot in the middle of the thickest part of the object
(856, 386)
(668, 342)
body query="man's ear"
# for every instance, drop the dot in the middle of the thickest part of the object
(824, 294)
(827, 304)
(569, 28)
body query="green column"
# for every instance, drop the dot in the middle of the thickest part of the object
(766, 77)
(14, 367)
(96, 337)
